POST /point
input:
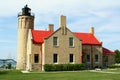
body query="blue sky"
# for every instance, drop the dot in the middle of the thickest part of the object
(103, 15)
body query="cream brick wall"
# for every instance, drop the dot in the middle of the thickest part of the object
(92, 50)
(31, 50)
(63, 50)
(36, 49)
(111, 59)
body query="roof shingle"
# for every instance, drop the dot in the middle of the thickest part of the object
(87, 38)
(39, 35)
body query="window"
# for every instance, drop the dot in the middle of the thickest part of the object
(96, 58)
(55, 58)
(71, 42)
(55, 41)
(36, 58)
(88, 58)
(71, 58)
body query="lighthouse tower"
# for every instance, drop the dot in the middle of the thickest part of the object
(25, 22)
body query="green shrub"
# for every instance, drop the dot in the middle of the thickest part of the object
(64, 67)
(114, 66)
(9, 65)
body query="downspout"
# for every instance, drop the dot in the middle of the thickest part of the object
(41, 58)
(91, 57)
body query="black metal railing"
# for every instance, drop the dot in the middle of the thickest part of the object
(20, 14)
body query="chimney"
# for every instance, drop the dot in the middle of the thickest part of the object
(62, 21)
(62, 24)
(51, 27)
(92, 30)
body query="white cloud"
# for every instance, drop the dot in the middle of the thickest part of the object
(81, 15)
(56, 6)
(109, 29)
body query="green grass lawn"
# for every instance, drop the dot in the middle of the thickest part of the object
(112, 70)
(83, 75)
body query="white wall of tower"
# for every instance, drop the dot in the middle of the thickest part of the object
(24, 24)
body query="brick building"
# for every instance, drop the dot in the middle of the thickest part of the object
(62, 46)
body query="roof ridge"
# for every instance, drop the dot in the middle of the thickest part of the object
(52, 31)
(79, 32)
(87, 38)
(82, 33)
(72, 32)
(43, 30)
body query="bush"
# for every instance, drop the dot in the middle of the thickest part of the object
(64, 67)
(9, 65)
(114, 66)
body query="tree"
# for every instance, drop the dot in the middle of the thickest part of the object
(117, 56)
(9, 65)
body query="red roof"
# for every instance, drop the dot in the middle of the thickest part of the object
(87, 38)
(39, 35)
(107, 51)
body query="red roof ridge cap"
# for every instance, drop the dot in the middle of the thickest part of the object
(43, 30)
(82, 32)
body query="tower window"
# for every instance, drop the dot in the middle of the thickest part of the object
(55, 58)
(96, 58)
(71, 41)
(36, 58)
(55, 41)
(71, 58)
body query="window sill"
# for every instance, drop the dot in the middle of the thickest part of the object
(96, 62)
(88, 62)
(55, 63)
(55, 46)
(71, 46)
(71, 62)
(36, 63)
